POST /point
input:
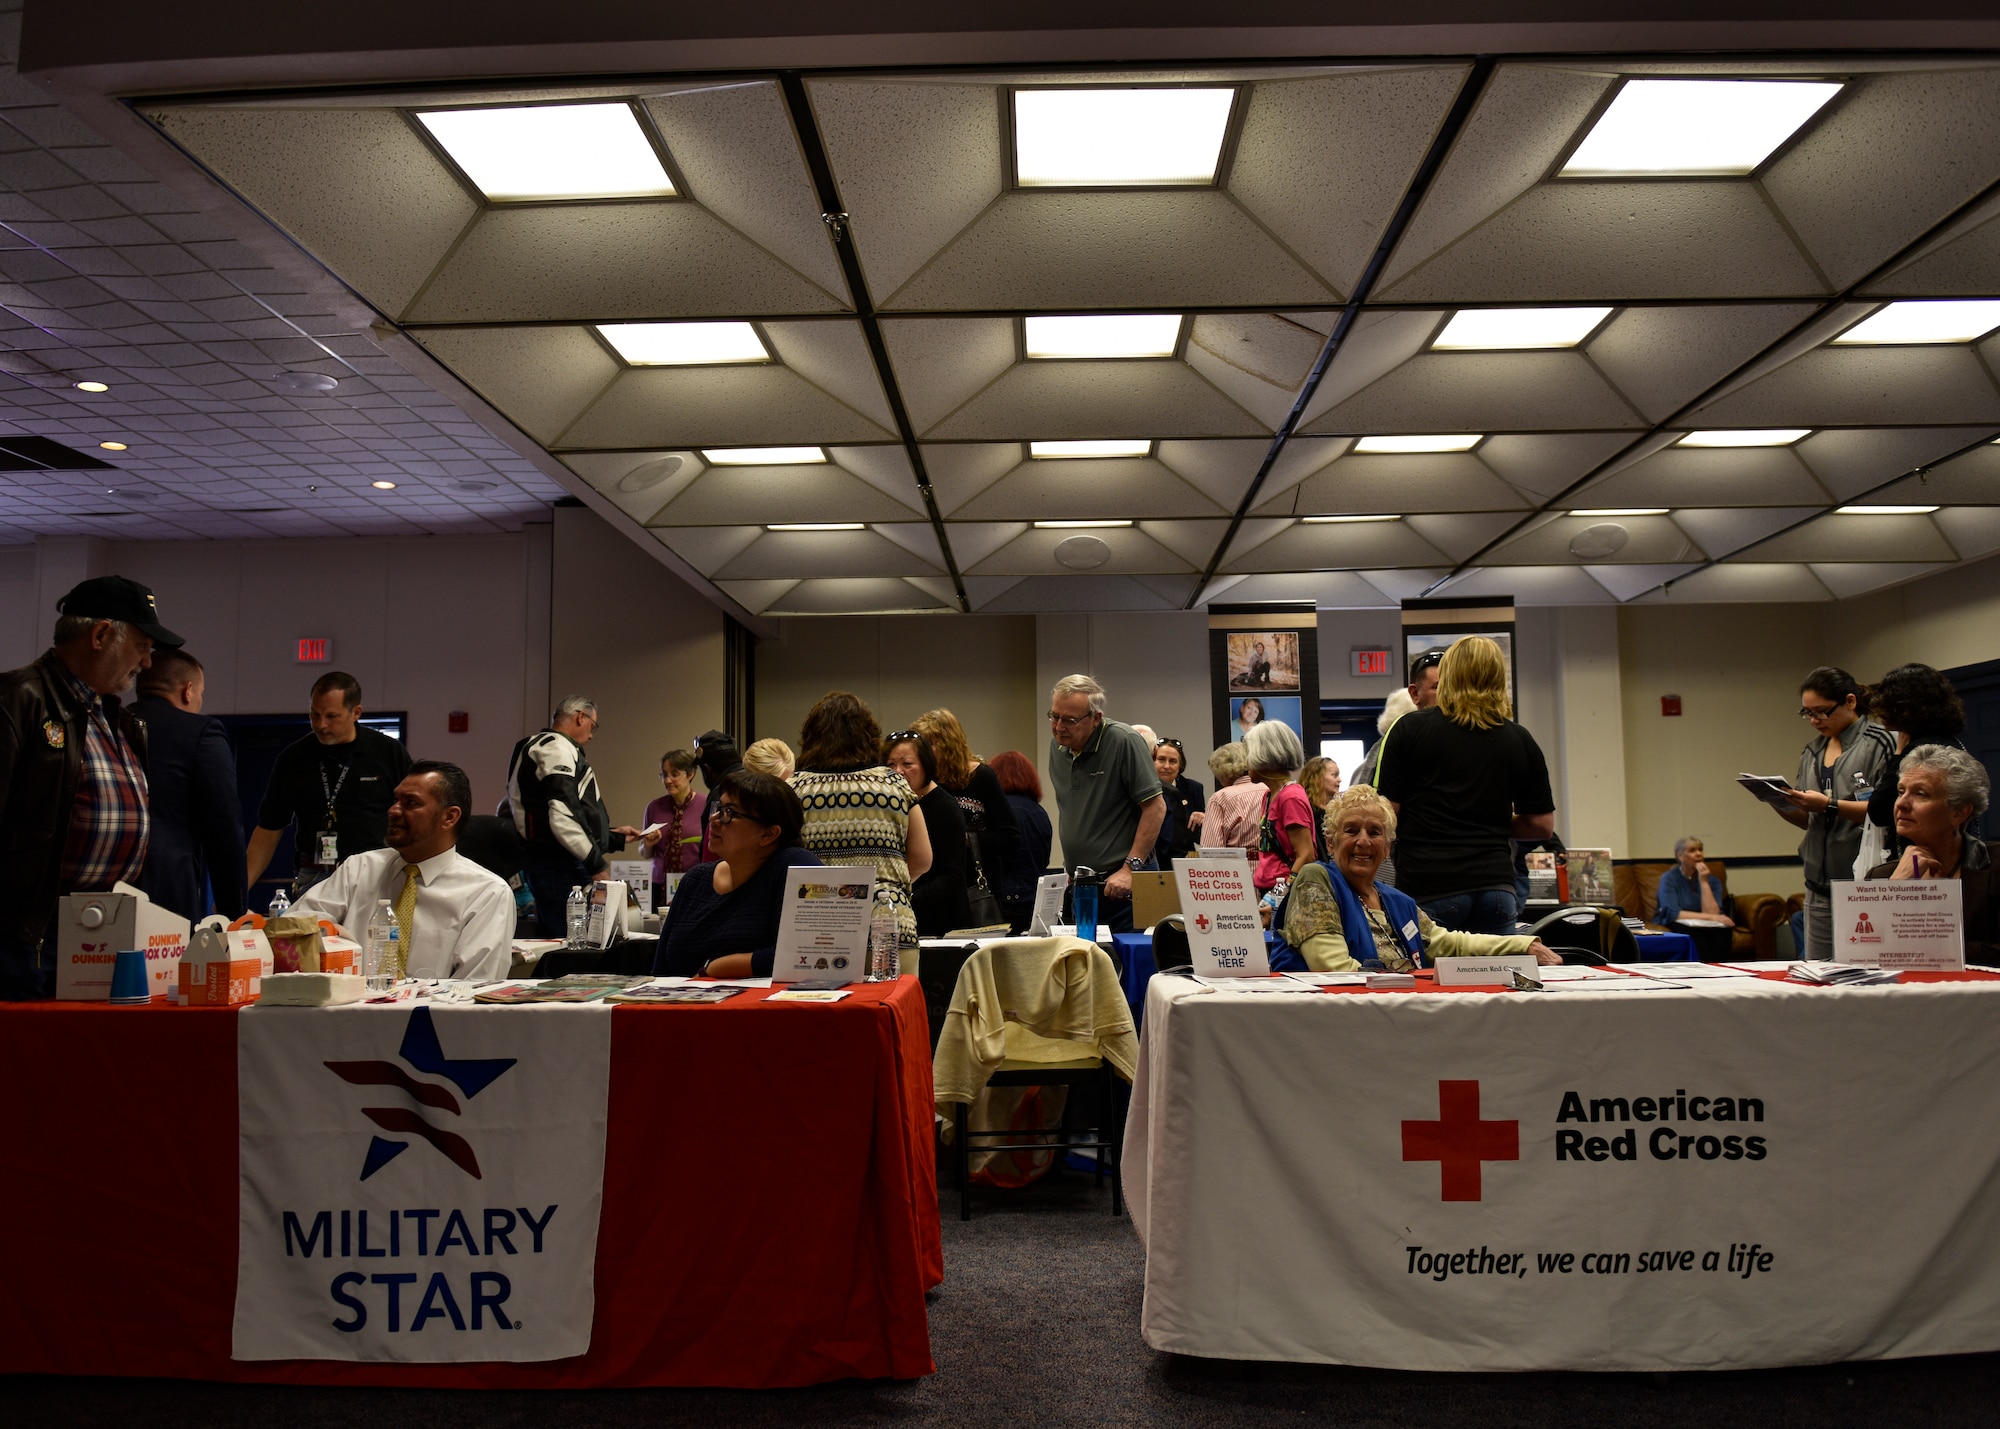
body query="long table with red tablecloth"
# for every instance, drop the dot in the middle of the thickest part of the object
(769, 1213)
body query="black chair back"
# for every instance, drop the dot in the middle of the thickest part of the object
(1575, 926)
(1170, 944)
(938, 967)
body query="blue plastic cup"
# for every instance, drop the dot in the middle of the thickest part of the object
(130, 983)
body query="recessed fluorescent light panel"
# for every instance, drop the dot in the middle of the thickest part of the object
(814, 526)
(1058, 451)
(1944, 320)
(1076, 525)
(763, 456)
(1089, 138)
(1344, 520)
(1621, 511)
(551, 151)
(1695, 128)
(684, 344)
(1508, 329)
(1885, 510)
(1461, 442)
(1115, 335)
(1753, 437)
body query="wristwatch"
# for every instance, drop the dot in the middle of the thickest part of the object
(1135, 864)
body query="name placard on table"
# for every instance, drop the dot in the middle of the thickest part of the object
(1907, 925)
(1219, 905)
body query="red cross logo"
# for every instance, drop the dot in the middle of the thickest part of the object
(1458, 1141)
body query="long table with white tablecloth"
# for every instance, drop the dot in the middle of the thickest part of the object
(1743, 1173)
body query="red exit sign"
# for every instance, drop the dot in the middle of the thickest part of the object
(315, 650)
(1371, 662)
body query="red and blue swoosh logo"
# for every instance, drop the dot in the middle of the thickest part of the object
(422, 1051)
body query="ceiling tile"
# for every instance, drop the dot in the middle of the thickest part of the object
(1057, 400)
(640, 483)
(1254, 532)
(1967, 265)
(834, 357)
(1737, 584)
(960, 472)
(886, 468)
(1033, 553)
(1543, 465)
(939, 588)
(1973, 531)
(1459, 535)
(982, 590)
(727, 495)
(1193, 541)
(1625, 582)
(1651, 540)
(1221, 471)
(919, 538)
(1524, 119)
(1146, 250)
(1895, 155)
(709, 548)
(610, 261)
(1444, 481)
(822, 555)
(973, 541)
(1663, 358)
(1482, 392)
(1848, 581)
(1532, 585)
(1308, 548)
(915, 164)
(1085, 490)
(942, 362)
(734, 144)
(1082, 594)
(1329, 202)
(543, 378)
(1863, 386)
(1851, 462)
(1400, 586)
(1298, 459)
(356, 187)
(1612, 240)
(855, 596)
(1722, 531)
(1379, 341)
(1329, 590)
(1259, 360)
(755, 596)
(1686, 476)
(713, 407)
(1859, 538)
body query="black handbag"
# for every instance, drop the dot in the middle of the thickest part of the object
(979, 894)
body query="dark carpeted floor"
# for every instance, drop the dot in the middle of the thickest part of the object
(1038, 1323)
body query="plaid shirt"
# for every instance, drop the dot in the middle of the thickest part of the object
(110, 822)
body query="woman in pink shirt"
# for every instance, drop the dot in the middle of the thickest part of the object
(1284, 841)
(1236, 806)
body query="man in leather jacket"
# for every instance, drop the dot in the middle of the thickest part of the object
(73, 797)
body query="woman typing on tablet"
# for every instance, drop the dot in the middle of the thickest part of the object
(724, 920)
(1338, 918)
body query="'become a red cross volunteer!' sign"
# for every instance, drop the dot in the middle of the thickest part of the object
(419, 1184)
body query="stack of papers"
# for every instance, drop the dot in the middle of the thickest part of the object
(1681, 972)
(1838, 975)
(673, 993)
(1391, 980)
(1768, 787)
(1578, 974)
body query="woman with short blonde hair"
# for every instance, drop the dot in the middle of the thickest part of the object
(771, 756)
(994, 853)
(1465, 781)
(1237, 803)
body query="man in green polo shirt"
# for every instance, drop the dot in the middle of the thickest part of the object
(1107, 794)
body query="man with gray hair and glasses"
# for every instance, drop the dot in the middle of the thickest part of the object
(1108, 794)
(559, 812)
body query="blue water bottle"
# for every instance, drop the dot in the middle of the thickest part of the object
(1083, 902)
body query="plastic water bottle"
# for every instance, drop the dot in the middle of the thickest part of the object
(395, 953)
(281, 904)
(885, 943)
(378, 953)
(1083, 902)
(579, 917)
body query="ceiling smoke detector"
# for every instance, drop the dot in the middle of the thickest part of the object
(306, 382)
(650, 474)
(1594, 543)
(1082, 553)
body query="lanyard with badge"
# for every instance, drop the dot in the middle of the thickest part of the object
(329, 835)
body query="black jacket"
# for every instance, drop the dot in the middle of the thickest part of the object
(41, 763)
(197, 818)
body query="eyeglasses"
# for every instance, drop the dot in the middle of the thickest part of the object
(1823, 712)
(1063, 721)
(727, 814)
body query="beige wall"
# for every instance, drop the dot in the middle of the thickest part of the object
(980, 667)
(633, 637)
(1737, 670)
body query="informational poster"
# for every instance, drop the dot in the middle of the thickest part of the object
(1904, 925)
(1048, 903)
(1264, 666)
(823, 929)
(637, 876)
(1219, 905)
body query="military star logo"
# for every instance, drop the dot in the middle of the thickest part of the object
(422, 1051)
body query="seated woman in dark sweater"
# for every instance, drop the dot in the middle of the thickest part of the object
(724, 920)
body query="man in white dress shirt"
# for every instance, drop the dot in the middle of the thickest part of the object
(457, 919)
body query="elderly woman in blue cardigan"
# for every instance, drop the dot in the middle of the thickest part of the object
(1339, 919)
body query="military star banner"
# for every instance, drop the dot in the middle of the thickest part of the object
(419, 1184)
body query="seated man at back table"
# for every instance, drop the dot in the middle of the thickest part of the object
(457, 919)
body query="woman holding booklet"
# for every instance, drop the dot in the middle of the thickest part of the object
(1939, 791)
(724, 920)
(1339, 919)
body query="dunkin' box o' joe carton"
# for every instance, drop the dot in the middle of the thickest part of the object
(223, 968)
(95, 927)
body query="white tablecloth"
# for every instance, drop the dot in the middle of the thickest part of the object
(1265, 1162)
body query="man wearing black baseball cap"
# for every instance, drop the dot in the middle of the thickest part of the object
(73, 796)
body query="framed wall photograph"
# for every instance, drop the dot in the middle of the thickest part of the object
(1264, 660)
(1248, 710)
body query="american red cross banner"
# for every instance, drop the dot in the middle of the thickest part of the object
(1744, 1173)
(419, 1184)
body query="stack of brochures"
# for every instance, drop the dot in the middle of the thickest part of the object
(1838, 975)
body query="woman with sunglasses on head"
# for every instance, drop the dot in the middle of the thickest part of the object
(858, 810)
(724, 920)
(938, 895)
(1187, 802)
(1840, 767)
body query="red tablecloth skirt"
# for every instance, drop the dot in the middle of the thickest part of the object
(770, 1199)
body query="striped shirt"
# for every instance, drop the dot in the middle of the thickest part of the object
(110, 822)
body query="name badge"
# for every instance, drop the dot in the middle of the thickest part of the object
(1410, 930)
(329, 848)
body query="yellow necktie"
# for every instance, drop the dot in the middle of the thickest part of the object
(406, 918)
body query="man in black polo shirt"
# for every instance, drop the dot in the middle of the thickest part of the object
(336, 785)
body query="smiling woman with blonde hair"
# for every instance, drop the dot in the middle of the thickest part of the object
(1464, 780)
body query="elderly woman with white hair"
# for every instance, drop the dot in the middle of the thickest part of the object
(1939, 791)
(1285, 837)
(1237, 803)
(1340, 919)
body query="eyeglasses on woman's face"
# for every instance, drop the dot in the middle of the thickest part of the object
(726, 814)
